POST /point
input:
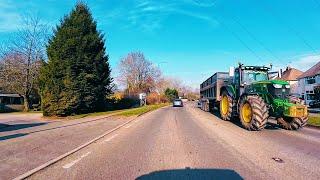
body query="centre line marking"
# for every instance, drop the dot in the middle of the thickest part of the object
(69, 165)
(110, 138)
(128, 126)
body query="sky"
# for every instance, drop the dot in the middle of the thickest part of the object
(191, 39)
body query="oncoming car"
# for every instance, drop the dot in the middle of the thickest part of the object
(177, 103)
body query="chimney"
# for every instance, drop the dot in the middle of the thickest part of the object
(280, 73)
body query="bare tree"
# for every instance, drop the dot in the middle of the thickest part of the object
(22, 58)
(138, 74)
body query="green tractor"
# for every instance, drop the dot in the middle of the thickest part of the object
(252, 97)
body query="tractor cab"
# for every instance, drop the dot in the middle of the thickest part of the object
(244, 76)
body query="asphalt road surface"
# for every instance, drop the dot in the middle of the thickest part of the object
(187, 143)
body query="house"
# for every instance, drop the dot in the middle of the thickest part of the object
(11, 102)
(308, 81)
(291, 76)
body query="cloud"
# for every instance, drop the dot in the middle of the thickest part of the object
(202, 3)
(149, 15)
(9, 19)
(305, 62)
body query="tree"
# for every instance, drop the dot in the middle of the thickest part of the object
(138, 74)
(22, 59)
(77, 77)
(171, 94)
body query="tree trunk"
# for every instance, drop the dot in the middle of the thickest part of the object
(26, 103)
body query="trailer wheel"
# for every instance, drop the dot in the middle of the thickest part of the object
(226, 106)
(253, 113)
(292, 123)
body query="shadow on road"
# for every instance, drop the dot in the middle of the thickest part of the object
(236, 121)
(192, 174)
(12, 136)
(7, 127)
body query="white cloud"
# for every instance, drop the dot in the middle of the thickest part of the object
(9, 19)
(149, 15)
(305, 62)
(202, 3)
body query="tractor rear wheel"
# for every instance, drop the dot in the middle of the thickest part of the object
(253, 113)
(292, 123)
(226, 106)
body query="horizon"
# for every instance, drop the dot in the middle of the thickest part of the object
(189, 40)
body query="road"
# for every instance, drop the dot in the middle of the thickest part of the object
(27, 141)
(188, 143)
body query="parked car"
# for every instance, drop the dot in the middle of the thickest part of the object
(315, 104)
(177, 103)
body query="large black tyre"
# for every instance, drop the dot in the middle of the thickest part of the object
(253, 113)
(226, 106)
(292, 123)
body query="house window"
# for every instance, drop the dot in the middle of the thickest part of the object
(310, 80)
(310, 97)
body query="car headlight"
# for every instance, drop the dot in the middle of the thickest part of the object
(277, 86)
(287, 86)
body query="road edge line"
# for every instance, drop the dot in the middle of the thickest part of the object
(53, 161)
(33, 171)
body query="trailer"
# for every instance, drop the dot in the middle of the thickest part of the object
(210, 90)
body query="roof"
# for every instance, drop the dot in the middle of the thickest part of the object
(291, 74)
(314, 70)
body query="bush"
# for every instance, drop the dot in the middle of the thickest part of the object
(115, 103)
(171, 94)
(155, 98)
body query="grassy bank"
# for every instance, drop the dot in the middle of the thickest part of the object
(123, 112)
(141, 110)
(314, 120)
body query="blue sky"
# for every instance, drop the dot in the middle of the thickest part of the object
(191, 39)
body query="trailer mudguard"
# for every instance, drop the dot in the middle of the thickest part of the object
(230, 90)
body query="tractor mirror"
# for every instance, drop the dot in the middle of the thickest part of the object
(231, 71)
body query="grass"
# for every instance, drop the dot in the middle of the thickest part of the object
(314, 120)
(123, 112)
(141, 110)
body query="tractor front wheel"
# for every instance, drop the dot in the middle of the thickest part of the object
(292, 123)
(253, 113)
(226, 106)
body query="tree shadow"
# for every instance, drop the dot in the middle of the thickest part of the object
(191, 174)
(12, 136)
(7, 127)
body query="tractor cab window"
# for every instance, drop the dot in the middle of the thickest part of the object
(250, 76)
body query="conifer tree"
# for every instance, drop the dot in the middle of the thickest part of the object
(77, 75)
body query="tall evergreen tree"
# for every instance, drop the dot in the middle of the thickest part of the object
(77, 76)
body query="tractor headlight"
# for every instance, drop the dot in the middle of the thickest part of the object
(278, 86)
(288, 86)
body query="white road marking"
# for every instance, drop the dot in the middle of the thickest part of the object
(69, 165)
(110, 138)
(128, 126)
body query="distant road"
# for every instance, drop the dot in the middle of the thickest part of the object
(189, 143)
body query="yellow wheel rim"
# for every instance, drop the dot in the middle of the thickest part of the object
(246, 112)
(224, 105)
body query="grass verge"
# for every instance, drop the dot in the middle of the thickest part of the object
(141, 110)
(123, 112)
(314, 120)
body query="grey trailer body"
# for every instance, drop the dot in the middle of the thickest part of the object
(210, 90)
